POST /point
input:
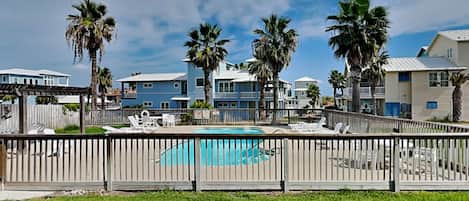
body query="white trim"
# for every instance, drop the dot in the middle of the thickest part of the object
(203, 83)
(147, 83)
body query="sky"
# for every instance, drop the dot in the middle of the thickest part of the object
(150, 33)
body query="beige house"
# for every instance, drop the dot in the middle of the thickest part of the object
(419, 87)
(301, 86)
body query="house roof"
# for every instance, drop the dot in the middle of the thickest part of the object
(27, 72)
(155, 77)
(420, 64)
(306, 79)
(456, 35)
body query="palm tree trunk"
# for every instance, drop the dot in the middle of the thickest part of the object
(94, 79)
(276, 83)
(262, 99)
(457, 104)
(207, 86)
(335, 101)
(373, 99)
(103, 97)
(355, 76)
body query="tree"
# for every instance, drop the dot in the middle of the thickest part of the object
(207, 51)
(357, 32)
(375, 74)
(87, 31)
(457, 80)
(45, 100)
(277, 43)
(313, 93)
(337, 80)
(104, 83)
(263, 74)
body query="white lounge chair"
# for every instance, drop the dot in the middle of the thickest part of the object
(169, 120)
(110, 129)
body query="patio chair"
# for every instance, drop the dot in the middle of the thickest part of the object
(169, 120)
(346, 129)
(419, 160)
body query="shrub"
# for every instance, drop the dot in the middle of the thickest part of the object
(201, 105)
(71, 127)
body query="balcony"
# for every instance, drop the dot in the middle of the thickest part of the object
(246, 94)
(365, 92)
(131, 94)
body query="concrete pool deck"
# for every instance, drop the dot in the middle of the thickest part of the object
(190, 129)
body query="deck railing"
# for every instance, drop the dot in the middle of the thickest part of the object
(285, 162)
(365, 123)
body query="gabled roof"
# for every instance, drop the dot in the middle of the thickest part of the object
(456, 35)
(306, 79)
(420, 64)
(27, 72)
(154, 77)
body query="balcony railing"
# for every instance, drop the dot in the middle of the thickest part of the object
(365, 92)
(130, 94)
(247, 94)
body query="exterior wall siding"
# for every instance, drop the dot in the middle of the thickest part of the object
(422, 93)
(160, 92)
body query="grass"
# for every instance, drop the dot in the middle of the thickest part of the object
(73, 129)
(242, 196)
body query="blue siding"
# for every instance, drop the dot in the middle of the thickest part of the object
(160, 92)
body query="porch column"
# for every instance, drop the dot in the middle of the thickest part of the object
(82, 114)
(23, 114)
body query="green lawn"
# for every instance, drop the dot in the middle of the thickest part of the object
(240, 196)
(88, 130)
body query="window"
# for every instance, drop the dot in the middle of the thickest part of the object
(4, 78)
(225, 86)
(176, 85)
(438, 79)
(147, 85)
(25, 81)
(404, 76)
(444, 79)
(36, 82)
(233, 105)
(147, 103)
(164, 105)
(432, 105)
(449, 52)
(199, 82)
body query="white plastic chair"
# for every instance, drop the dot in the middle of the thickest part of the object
(337, 127)
(346, 129)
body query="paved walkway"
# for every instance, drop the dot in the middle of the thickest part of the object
(23, 195)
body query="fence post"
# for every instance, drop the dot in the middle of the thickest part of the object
(109, 152)
(285, 165)
(288, 111)
(396, 161)
(3, 162)
(197, 166)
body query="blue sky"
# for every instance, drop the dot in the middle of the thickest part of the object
(151, 33)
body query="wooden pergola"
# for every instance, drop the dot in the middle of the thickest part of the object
(23, 91)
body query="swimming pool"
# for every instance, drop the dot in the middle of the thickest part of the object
(219, 152)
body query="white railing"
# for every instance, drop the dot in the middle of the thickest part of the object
(250, 94)
(130, 95)
(226, 94)
(365, 92)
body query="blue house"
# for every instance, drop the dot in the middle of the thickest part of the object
(33, 77)
(231, 88)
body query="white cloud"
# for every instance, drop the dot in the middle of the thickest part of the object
(413, 16)
(81, 66)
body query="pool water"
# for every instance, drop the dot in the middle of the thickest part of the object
(218, 152)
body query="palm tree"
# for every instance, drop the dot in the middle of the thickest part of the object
(88, 30)
(263, 74)
(457, 80)
(206, 51)
(337, 80)
(104, 83)
(313, 93)
(375, 74)
(357, 32)
(277, 43)
(10, 98)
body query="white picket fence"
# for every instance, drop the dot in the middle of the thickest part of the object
(52, 116)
